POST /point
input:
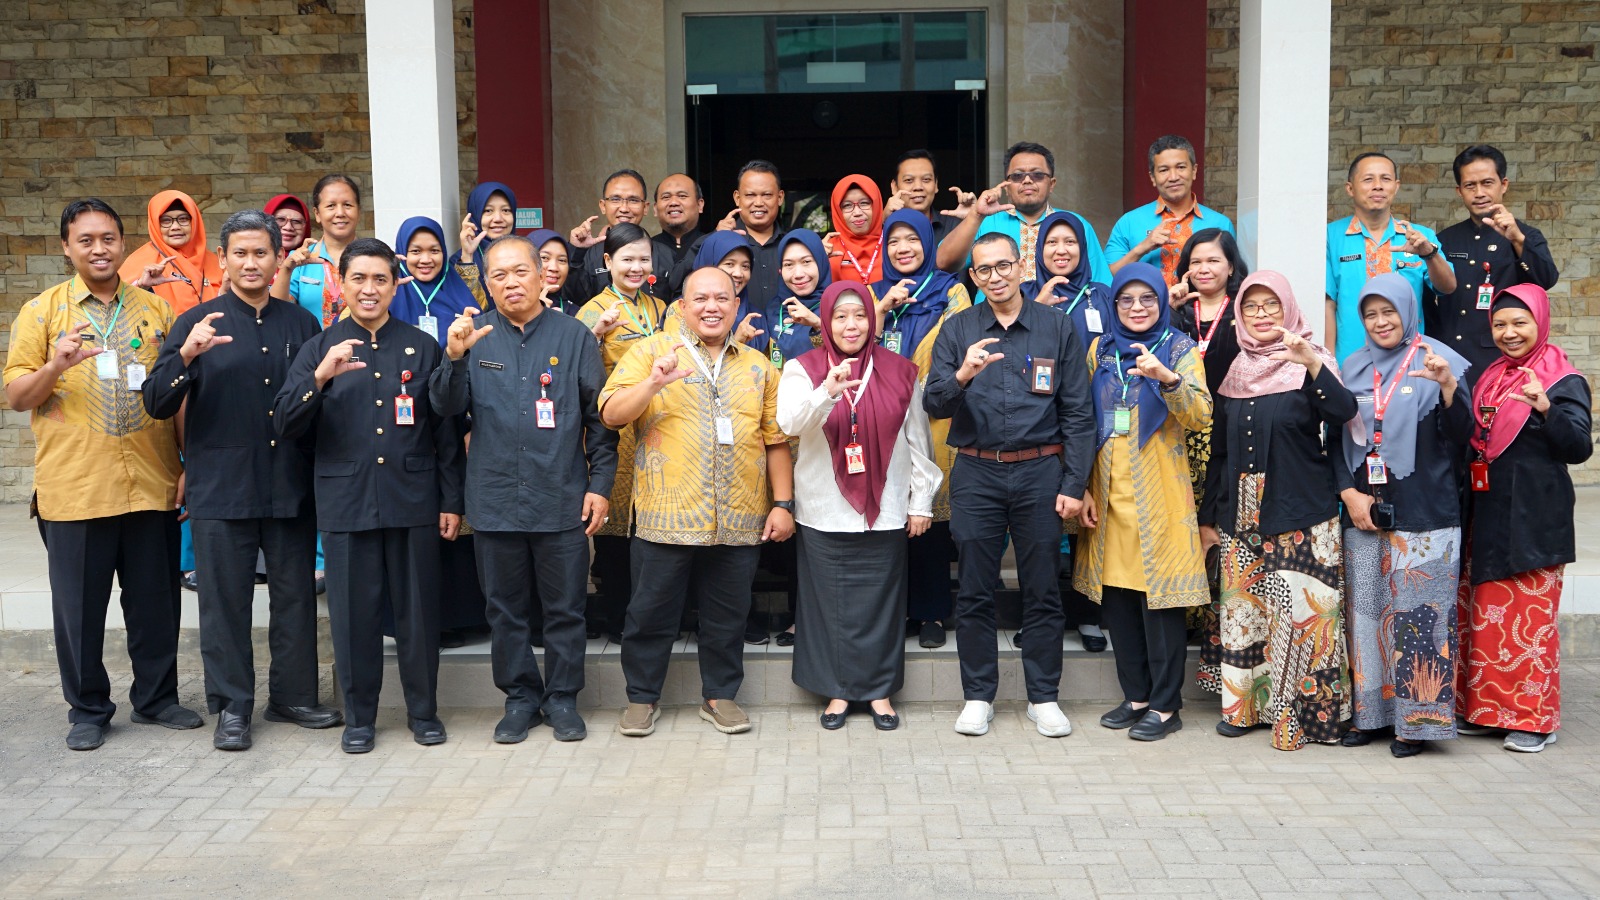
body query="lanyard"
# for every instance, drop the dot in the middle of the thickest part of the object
(864, 273)
(1078, 299)
(713, 374)
(1122, 373)
(105, 333)
(1380, 400)
(856, 398)
(428, 300)
(647, 327)
(1205, 342)
(900, 310)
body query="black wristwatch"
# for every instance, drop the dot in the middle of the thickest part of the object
(784, 505)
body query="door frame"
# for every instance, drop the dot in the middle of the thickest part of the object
(675, 11)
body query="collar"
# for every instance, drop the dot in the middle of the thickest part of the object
(1355, 227)
(385, 331)
(1194, 208)
(693, 340)
(240, 305)
(83, 293)
(1048, 211)
(989, 320)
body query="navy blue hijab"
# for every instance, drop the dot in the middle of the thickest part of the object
(447, 293)
(1078, 294)
(798, 340)
(1116, 353)
(932, 289)
(713, 250)
(476, 201)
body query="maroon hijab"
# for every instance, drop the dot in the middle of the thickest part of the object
(880, 412)
(1505, 377)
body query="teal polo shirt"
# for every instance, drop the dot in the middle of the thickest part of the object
(1009, 223)
(1349, 267)
(305, 282)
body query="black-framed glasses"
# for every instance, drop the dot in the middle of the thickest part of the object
(1003, 269)
(1020, 177)
(1270, 308)
(625, 201)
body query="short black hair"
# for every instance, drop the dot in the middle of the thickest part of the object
(760, 165)
(1476, 152)
(1351, 175)
(621, 235)
(1021, 147)
(698, 194)
(997, 237)
(1170, 142)
(369, 247)
(87, 205)
(1230, 250)
(918, 153)
(252, 220)
(328, 181)
(624, 173)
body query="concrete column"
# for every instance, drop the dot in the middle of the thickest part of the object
(411, 102)
(1283, 143)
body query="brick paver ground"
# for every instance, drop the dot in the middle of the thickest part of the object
(788, 810)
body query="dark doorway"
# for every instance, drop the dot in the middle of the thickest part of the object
(817, 138)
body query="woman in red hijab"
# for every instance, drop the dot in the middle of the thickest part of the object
(1532, 411)
(854, 245)
(293, 218)
(175, 264)
(864, 482)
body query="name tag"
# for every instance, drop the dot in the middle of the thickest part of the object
(1353, 257)
(1043, 372)
(491, 365)
(544, 411)
(1461, 255)
(405, 412)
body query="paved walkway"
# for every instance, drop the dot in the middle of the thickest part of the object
(789, 810)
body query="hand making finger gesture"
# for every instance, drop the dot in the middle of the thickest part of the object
(977, 359)
(462, 335)
(1434, 367)
(989, 202)
(965, 200)
(747, 332)
(1148, 365)
(897, 201)
(339, 359)
(727, 222)
(70, 349)
(1178, 294)
(664, 369)
(155, 274)
(1503, 222)
(581, 236)
(1532, 392)
(1298, 349)
(608, 320)
(839, 380)
(801, 314)
(1416, 241)
(202, 337)
(1158, 237)
(471, 238)
(1047, 291)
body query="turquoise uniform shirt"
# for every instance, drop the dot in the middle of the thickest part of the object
(1349, 267)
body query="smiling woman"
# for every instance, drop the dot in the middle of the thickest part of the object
(175, 264)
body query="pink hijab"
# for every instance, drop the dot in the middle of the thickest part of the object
(1505, 377)
(1254, 372)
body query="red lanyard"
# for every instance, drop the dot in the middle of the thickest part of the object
(1380, 401)
(1205, 342)
(865, 273)
(856, 398)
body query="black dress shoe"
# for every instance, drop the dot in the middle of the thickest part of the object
(174, 716)
(756, 636)
(514, 725)
(885, 721)
(450, 639)
(835, 721)
(1354, 738)
(233, 732)
(931, 635)
(614, 637)
(1151, 728)
(1094, 643)
(190, 581)
(426, 732)
(1404, 749)
(785, 639)
(1123, 716)
(1226, 729)
(317, 716)
(592, 634)
(564, 720)
(358, 739)
(85, 736)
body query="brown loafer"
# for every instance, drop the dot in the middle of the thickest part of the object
(725, 717)
(638, 720)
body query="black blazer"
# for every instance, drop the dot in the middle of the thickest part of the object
(1524, 520)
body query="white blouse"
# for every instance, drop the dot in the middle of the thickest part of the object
(913, 476)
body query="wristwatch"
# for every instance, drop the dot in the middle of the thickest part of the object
(784, 505)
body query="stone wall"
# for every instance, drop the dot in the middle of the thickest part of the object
(1422, 80)
(232, 101)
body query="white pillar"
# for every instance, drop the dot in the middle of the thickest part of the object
(411, 103)
(1284, 51)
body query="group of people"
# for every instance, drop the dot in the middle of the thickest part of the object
(1145, 424)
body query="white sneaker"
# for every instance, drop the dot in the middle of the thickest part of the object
(1051, 720)
(975, 718)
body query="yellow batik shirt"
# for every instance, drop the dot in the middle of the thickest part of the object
(688, 489)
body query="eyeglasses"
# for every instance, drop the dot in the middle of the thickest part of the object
(1003, 269)
(174, 221)
(625, 201)
(850, 207)
(1145, 300)
(289, 221)
(1270, 308)
(1020, 177)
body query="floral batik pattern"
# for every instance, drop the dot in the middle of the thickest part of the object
(1510, 673)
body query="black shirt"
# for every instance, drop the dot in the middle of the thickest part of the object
(766, 270)
(1279, 435)
(1455, 318)
(237, 467)
(679, 247)
(521, 477)
(589, 275)
(998, 410)
(372, 472)
(1430, 497)
(1224, 346)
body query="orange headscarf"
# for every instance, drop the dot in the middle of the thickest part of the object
(199, 271)
(857, 250)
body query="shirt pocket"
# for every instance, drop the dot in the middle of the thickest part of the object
(419, 463)
(335, 468)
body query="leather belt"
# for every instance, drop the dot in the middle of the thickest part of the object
(1011, 456)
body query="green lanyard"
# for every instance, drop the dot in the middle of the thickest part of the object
(1122, 373)
(1076, 300)
(647, 327)
(428, 300)
(105, 333)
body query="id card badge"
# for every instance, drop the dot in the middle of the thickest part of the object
(1091, 317)
(1485, 296)
(891, 341)
(1204, 346)
(405, 411)
(1479, 472)
(544, 412)
(1486, 415)
(724, 431)
(136, 374)
(1044, 371)
(1121, 420)
(776, 356)
(105, 366)
(430, 324)
(854, 463)
(1377, 472)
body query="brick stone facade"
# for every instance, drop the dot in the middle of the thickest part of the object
(1422, 80)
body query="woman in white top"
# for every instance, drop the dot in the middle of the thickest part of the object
(864, 481)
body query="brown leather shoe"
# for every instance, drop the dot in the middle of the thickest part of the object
(725, 717)
(638, 720)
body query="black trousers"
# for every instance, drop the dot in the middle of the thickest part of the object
(781, 559)
(365, 571)
(521, 571)
(225, 552)
(613, 567)
(1078, 609)
(1150, 646)
(990, 499)
(141, 548)
(928, 559)
(664, 575)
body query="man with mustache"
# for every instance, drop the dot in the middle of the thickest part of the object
(679, 205)
(1156, 232)
(622, 199)
(757, 201)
